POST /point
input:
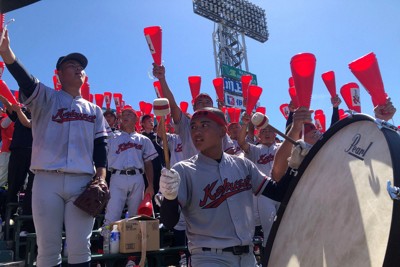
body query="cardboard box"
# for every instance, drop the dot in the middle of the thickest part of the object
(131, 234)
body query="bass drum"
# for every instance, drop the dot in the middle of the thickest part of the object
(337, 211)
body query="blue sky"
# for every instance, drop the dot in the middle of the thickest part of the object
(110, 34)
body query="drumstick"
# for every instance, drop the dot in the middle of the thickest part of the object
(161, 108)
(261, 121)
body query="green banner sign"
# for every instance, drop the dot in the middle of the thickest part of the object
(234, 73)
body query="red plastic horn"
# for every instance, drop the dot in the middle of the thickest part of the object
(2, 20)
(303, 69)
(234, 114)
(262, 110)
(91, 98)
(284, 108)
(5, 91)
(184, 106)
(157, 88)
(194, 84)
(219, 88)
(56, 81)
(99, 98)
(320, 122)
(117, 100)
(318, 112)
(329, 80)
(85, 90)
(254, 94)
(142, 106)
(293, 97)
(342, 114)
(367, 71)
(16, 94)
(291, 82)
(351, 95)
(153, 37)
(146, 206)
(148, 108)
(2, 66)
(246, 80)
(107, 98)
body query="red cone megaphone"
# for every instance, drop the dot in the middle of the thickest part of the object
(147, 108)
(16, 94)
(246, 80)
(303, 69)
(320, 120)
(99, 98)
(293, 97)
(262, 110)
(254, 94)
(107, 99)
(234, 114)
(329, 80)
(153, 37)
(117, 101)
(351, 95)
(56, 81)
(2, 66)
(184, 106)
(146, 206)
(194, 84)
(157, 88)
(367, 71)
(342, 114)
(284, 108)
(85, 90)
(291, 82)
(219, 88)
(5, 91)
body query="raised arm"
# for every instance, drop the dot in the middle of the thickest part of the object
(159, 73)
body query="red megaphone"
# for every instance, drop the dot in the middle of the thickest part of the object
(329, 80)
(99, 98)
(117, 101)
(184, 106)
(219, 88)
(254, 94)
(157, 88)
(303, 69)
(85, 90)
(284, 108)
(351, 95)
(246, 80)
(2, 66)
(234, 114)
(320, 120)
(194, 84)
(291, 82)
(56, 81)
(146, 206)
(107, 99)
(342, 114)
(142, 106)
(153, 37)
(262, 110)
(367, 71)
(147, 108)
(5, 91)
(293, 97)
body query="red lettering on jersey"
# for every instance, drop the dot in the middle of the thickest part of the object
(265, 159)
(178, 148)
(126, 146)
(72, 115)
(222, 192)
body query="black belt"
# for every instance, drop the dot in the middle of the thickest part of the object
(127, 172)
(236, 250)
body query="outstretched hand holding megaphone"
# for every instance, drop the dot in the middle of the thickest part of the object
(385, 112)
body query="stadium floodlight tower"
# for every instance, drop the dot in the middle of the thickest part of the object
(233, 20)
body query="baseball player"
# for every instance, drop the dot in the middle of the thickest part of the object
(130, 154)
(215, 191)
(182, 122)
(69, 148)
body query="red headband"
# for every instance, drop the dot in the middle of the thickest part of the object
(210, 115)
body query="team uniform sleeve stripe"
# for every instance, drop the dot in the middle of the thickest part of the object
(261, 185)
(145, 159)
(34, 96)
(231, 147)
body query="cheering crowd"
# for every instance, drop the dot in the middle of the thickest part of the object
(224, 187)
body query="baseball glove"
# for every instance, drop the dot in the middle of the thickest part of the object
(94, 198)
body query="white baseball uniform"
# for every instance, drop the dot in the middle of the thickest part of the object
(127, 151)
(217, 202)
(64, 129)
(175, 148)
(264, 208)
